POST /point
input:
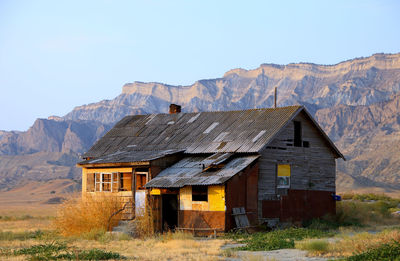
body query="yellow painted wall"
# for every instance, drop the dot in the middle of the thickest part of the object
(216, 199)
(84, 181)
(185, 198)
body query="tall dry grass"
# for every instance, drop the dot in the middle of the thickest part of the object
(348, 245)
(78, 216)
(361, 242)
(143, 224)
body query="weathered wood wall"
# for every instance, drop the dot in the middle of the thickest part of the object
(241, 191)
(312, 168)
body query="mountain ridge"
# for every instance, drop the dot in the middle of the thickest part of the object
(357, 102)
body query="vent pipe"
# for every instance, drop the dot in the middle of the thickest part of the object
(275, 96)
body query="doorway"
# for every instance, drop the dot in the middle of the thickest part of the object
(169, 211)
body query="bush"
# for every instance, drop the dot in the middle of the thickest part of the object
(56, 251)
(384, 252)
(91, 214)
(93, 254)
(316, 246)
(143, 225)
(361, 242)
(278, 239)
(357, 213)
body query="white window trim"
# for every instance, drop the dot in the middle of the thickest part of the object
(99, 184)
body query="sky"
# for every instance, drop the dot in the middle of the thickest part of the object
(55, 55)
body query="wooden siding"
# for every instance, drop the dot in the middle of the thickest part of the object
(124, 196)
(312, 168)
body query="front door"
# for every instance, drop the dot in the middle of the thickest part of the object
(169, 211)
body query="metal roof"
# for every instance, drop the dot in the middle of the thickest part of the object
(192, 171)
(130, 156)
(203, 132)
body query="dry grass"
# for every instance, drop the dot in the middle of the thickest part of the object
(25, 225)
(79, 216)
(170, 246)
(347, 245)
(143, 225)
(362, 242)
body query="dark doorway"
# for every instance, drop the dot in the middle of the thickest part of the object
(169, 211)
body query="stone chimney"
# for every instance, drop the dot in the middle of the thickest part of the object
(173, 108)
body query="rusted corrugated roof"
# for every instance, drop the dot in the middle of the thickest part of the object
(204, 132)
(191, 171)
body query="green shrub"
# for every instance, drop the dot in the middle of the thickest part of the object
(313, 245)
(93, 254)
(43, 249)
(57, 250)
(278, 239)
(385, 252)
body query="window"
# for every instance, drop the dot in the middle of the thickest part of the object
(283, 176)
(297, 134)
(199, 193)
(103, 182)
(109, 182)
(141, 180)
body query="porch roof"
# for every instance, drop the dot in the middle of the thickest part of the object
(197, 170)
(130, 156)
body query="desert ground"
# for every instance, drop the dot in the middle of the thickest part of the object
(27, 232)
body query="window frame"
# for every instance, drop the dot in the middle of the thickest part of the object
(200, 193)
(99, 182)
(143, 173)
(297, 134)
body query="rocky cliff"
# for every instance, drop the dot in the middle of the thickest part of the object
(356, 102)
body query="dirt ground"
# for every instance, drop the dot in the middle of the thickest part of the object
(275, 255)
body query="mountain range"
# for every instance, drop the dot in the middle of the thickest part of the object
(356, 102)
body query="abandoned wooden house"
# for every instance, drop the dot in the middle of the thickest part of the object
(196, 168)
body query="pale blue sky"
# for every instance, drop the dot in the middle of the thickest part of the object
(55, 55)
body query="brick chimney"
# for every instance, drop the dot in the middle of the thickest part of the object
(173, 108)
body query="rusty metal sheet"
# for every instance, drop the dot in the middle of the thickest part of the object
(130, 156)
(195, 171)
(235, 131)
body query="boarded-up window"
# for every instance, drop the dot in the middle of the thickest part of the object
(125, 181)
(199, 193)
(283, 176)
(90, 182)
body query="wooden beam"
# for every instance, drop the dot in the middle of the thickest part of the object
(114, 165)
